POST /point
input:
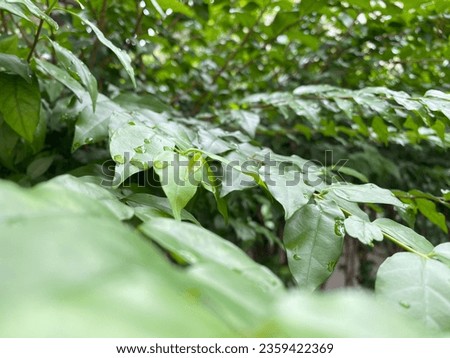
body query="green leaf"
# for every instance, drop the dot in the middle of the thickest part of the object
(352, 172)
(210, 183)
(195, 244)
(123, 57)
(9, 44)
(39, 166)
(177, 179)
(141, 101)
(148, 207)
(237, 298)
(289, 189)
(33, 9)
(442, 253)
(348, 206)
(341, 313)
(8, 142)
(61, 76)
(428, 209)
(248, 121)
(137, 145)
(92, 127)
(78, 70)
(308, 6)
(20, 104)
(313, 238)
(14, 8)
(15, 65)
(176, 6)
(381, 130)
(404, 236)
(95, 192)
(364, 231)
(234, 179)
(365, 193)
(91, 275)
(417, 286)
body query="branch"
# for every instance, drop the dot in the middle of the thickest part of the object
(38, 31)
(36, 39)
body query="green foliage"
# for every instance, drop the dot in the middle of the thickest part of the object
(20, 104)
(253, 142)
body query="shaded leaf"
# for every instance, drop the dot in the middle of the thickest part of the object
(428, 209)
(61, 76)
(20, 104)
(15, 65)
(123, 57)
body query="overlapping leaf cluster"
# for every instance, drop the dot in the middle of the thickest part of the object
(140, 175)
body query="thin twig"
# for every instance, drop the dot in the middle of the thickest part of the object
(24, 35)
(233, 54)
(36, 39)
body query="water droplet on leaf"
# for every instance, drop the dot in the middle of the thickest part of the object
(160, 165)
(404, 304)
(119, 159)
(140, 149)
(131, 123)
(296, 257)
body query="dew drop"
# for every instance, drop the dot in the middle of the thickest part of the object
(404, 304)
(140, 164)
(296, 257)
(159, 164)
(140, 149)
(147, 141)
(89, 140)
(119, 159)
(131, 123)
(76, 145)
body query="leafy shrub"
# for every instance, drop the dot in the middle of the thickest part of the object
(176, 200)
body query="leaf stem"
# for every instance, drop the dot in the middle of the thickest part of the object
(407, 248)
